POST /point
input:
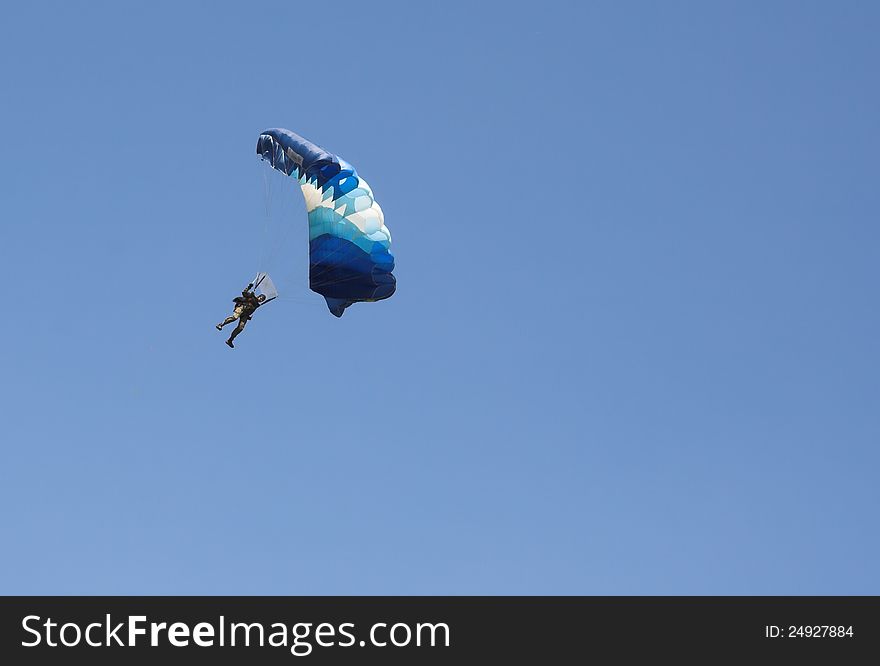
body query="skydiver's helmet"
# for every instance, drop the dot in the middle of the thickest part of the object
(261, 297)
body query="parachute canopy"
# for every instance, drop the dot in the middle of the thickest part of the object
(349, 245)
(263, 286)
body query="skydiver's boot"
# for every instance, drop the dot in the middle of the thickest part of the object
(219, 327)
(229, 342)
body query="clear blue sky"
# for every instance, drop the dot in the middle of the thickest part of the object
(635, 344)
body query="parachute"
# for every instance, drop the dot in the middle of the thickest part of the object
(263, 286)
(349, 245)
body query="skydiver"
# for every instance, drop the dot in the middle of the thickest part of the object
(245, 306)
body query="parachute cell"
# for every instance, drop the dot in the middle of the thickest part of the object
(349, 245)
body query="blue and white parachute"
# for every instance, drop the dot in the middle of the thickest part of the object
(349, 245)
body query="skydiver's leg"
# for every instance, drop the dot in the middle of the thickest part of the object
(238, 329)
(236, 314)
(226, 321)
